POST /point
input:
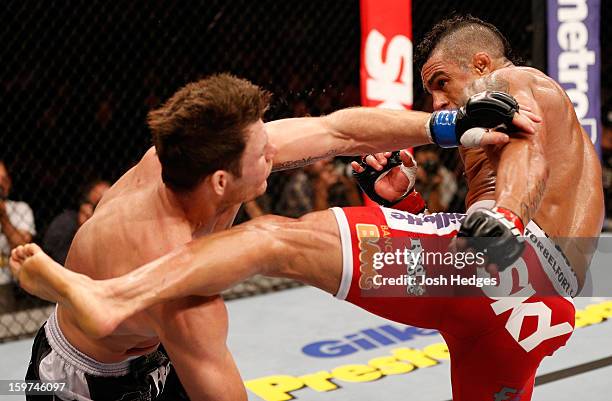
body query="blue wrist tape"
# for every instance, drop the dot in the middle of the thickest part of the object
(442, 127)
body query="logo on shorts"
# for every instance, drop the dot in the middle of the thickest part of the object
(436, 223)
(157, 380)
(508, 300)
(508, 394)
(368, 236)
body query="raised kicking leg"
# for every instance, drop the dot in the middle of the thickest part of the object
(306, 249)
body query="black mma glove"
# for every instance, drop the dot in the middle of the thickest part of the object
(369, 176)
(483, 110)
(498, 233)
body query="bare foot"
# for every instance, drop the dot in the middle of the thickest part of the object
(38, 274)
(90, 301)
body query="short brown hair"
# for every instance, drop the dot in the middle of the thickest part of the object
(200, 129)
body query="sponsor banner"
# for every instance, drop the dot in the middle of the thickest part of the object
(364, 340)
(574, 58)
(386, 55)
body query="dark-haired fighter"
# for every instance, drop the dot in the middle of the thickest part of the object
(212, 152)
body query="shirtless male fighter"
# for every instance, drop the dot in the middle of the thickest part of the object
(494, 349)
(212, 152)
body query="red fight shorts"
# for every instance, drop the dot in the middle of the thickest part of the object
(497, 335)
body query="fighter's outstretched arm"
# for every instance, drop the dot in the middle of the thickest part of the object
(358, 130)
(307, 249)
(353, 131)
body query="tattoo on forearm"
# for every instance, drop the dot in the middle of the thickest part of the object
(534, 199)
(304, 162)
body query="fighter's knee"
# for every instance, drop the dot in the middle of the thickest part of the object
(272, 238)
(287, 242)
(267, 224)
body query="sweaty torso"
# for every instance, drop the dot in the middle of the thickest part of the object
(130, 227)
(572, 203)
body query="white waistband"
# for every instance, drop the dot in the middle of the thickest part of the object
(347, 253)
(73, 356)
(553, 261)
(481, 204)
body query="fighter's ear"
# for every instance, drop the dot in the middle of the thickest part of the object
(481, 62)
(219, 181)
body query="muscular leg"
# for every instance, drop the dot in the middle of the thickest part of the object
(307, 249)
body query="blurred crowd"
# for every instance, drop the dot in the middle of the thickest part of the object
(17, 225)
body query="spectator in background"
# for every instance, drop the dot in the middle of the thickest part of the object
(62, 229)
(332, 186)
(317, 187)
(434, 181)
(16, 220)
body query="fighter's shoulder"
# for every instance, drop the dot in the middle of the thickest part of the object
(526, 79)
(148, 165)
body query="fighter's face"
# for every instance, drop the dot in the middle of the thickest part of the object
(446, 80)
(256, 162)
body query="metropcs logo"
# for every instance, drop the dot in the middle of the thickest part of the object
(389, 73)
(574, 60)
